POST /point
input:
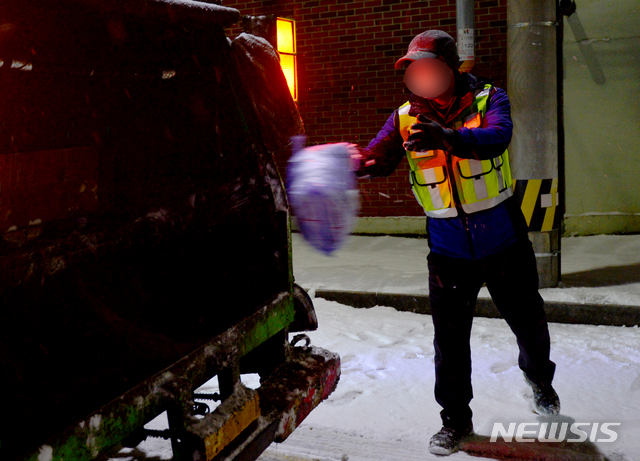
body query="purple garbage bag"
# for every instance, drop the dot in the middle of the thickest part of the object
(322, 191)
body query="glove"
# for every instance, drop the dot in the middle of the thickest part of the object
(429, 135)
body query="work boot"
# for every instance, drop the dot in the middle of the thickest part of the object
(545, 399)
(447, 440)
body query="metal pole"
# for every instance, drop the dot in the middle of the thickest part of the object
(561, 152)
(465, 26)
(533, 84)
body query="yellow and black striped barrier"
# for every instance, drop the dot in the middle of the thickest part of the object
(540, 203)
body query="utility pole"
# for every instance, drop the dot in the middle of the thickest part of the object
(534, 84)
(465, 26)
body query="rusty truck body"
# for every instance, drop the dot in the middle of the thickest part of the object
(145, 234)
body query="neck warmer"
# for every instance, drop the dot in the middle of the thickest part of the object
(464, 93)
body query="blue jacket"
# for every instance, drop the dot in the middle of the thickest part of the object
(468, 236)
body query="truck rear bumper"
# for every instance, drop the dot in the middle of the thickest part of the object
(247, 422)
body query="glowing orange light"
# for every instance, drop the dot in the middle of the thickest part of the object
(286, 36)
(286, 43)
(288, 64)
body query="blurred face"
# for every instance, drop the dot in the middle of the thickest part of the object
(428, 78)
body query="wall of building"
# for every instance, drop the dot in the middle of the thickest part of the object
(602, 114)
(348, 86)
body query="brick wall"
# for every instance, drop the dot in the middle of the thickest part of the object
(348, 86)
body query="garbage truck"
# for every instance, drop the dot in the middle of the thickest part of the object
(145, 239)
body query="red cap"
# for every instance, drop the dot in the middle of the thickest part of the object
(431, 44)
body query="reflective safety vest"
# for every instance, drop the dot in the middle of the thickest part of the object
(479, 184)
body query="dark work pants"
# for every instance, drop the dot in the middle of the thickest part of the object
(512, 279)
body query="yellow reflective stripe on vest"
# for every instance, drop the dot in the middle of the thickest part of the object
(431, 186)
(429, 178)
(481, 184)
(474, 184)
(488, 203)
(430, 181)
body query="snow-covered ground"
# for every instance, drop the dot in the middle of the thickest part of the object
(398, 265)
(383, 408)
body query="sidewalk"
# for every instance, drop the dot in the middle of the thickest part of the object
(600, 277)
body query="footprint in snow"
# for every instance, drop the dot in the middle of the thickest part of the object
(414, 355)
(375, 374)
(344, 399)
(378, 339)
(344, 359)
(352, 336)
(501, 367)
(396, 342)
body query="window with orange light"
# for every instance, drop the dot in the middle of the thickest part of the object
(286, 44)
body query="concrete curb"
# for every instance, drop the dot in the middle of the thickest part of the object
(557, 312)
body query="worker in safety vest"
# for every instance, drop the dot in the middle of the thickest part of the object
(454, 131)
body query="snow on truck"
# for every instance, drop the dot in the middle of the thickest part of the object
(145, 234)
